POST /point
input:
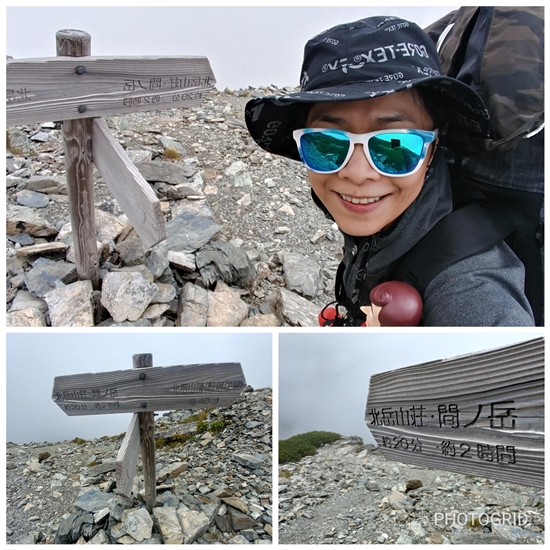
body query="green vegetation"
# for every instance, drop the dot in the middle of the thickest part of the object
(199, 417)
(113, 437)
(78, 441)
(172, 441)
(214, 427)
(297, 446)
(171, 154)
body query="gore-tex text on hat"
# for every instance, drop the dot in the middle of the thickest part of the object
(378, 55)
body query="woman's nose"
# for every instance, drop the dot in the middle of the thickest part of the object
(358, 169)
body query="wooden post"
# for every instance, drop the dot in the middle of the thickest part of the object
(77, 138)
(147, 436)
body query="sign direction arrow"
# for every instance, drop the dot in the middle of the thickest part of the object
(480, 414)
(151, 389)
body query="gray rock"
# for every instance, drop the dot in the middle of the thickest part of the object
(46, 275)
(41, 136)
(137, 523)
(73, 527)
(71, 305)
(32, 199)
(24, 239)
(165, 171)
(249, 461)
(238, 174)
(297, 310)
(117, 504)
(132, 249)
(478, 538)
(156, 259)
(93, 500)
(108, 226)
(189, 232)
(193, 525)
(169, 525)
(28, 317)
(225, 307)
(126, 295)
(268, 320)
(165, 294)
(301, 273)
(47, 184)
(221, 260)
(192, 306)
(182, 260)
(22, 219)
(516, 534)
(24, 299)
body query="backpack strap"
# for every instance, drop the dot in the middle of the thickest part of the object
(465, 232)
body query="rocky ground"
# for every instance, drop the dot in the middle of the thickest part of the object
(214, 483)
(348, 493)
(246, 246)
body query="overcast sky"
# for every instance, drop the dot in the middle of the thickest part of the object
(35, 359)
(324, 377)
(245, 45)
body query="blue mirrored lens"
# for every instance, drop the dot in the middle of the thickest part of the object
(324, 151)
(396, 153)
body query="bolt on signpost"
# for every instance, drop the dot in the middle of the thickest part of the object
(479, 414)
(143, 390)
(79, 89)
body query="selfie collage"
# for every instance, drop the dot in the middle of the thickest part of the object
(274, 275)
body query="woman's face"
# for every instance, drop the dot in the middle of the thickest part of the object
(362, 201)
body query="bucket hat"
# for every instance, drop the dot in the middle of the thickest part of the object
(361, 60)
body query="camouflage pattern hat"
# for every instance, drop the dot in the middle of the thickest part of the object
(361, 60)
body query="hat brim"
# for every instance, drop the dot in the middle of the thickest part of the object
(272, 119)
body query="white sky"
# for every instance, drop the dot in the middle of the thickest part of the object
(324, 377)
(245, 45)
(35, 359)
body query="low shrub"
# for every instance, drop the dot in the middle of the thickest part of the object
(298, 446)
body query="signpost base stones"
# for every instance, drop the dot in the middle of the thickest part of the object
(480, 414)
(143, 390)
(79, 89)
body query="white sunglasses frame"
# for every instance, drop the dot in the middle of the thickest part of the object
(428, 137)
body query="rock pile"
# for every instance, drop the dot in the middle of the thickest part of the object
(214, 483)
(348, 493)
(245, 244)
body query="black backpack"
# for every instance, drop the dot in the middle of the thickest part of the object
(494, 50)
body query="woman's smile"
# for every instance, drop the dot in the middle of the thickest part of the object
(361, 200)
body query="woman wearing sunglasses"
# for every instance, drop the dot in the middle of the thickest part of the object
(366, 124)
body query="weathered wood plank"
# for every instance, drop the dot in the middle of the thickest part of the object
(163, 388)
(77, 142)
(147, 438)
(61, 88)
(134, 195)
(480, 414)
(127, 458)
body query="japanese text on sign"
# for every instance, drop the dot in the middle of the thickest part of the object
(499, 415)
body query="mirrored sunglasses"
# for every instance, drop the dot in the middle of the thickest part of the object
(393, 153)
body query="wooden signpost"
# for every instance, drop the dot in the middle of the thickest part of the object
(142, 391)
(77, 89)
(480, 414)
